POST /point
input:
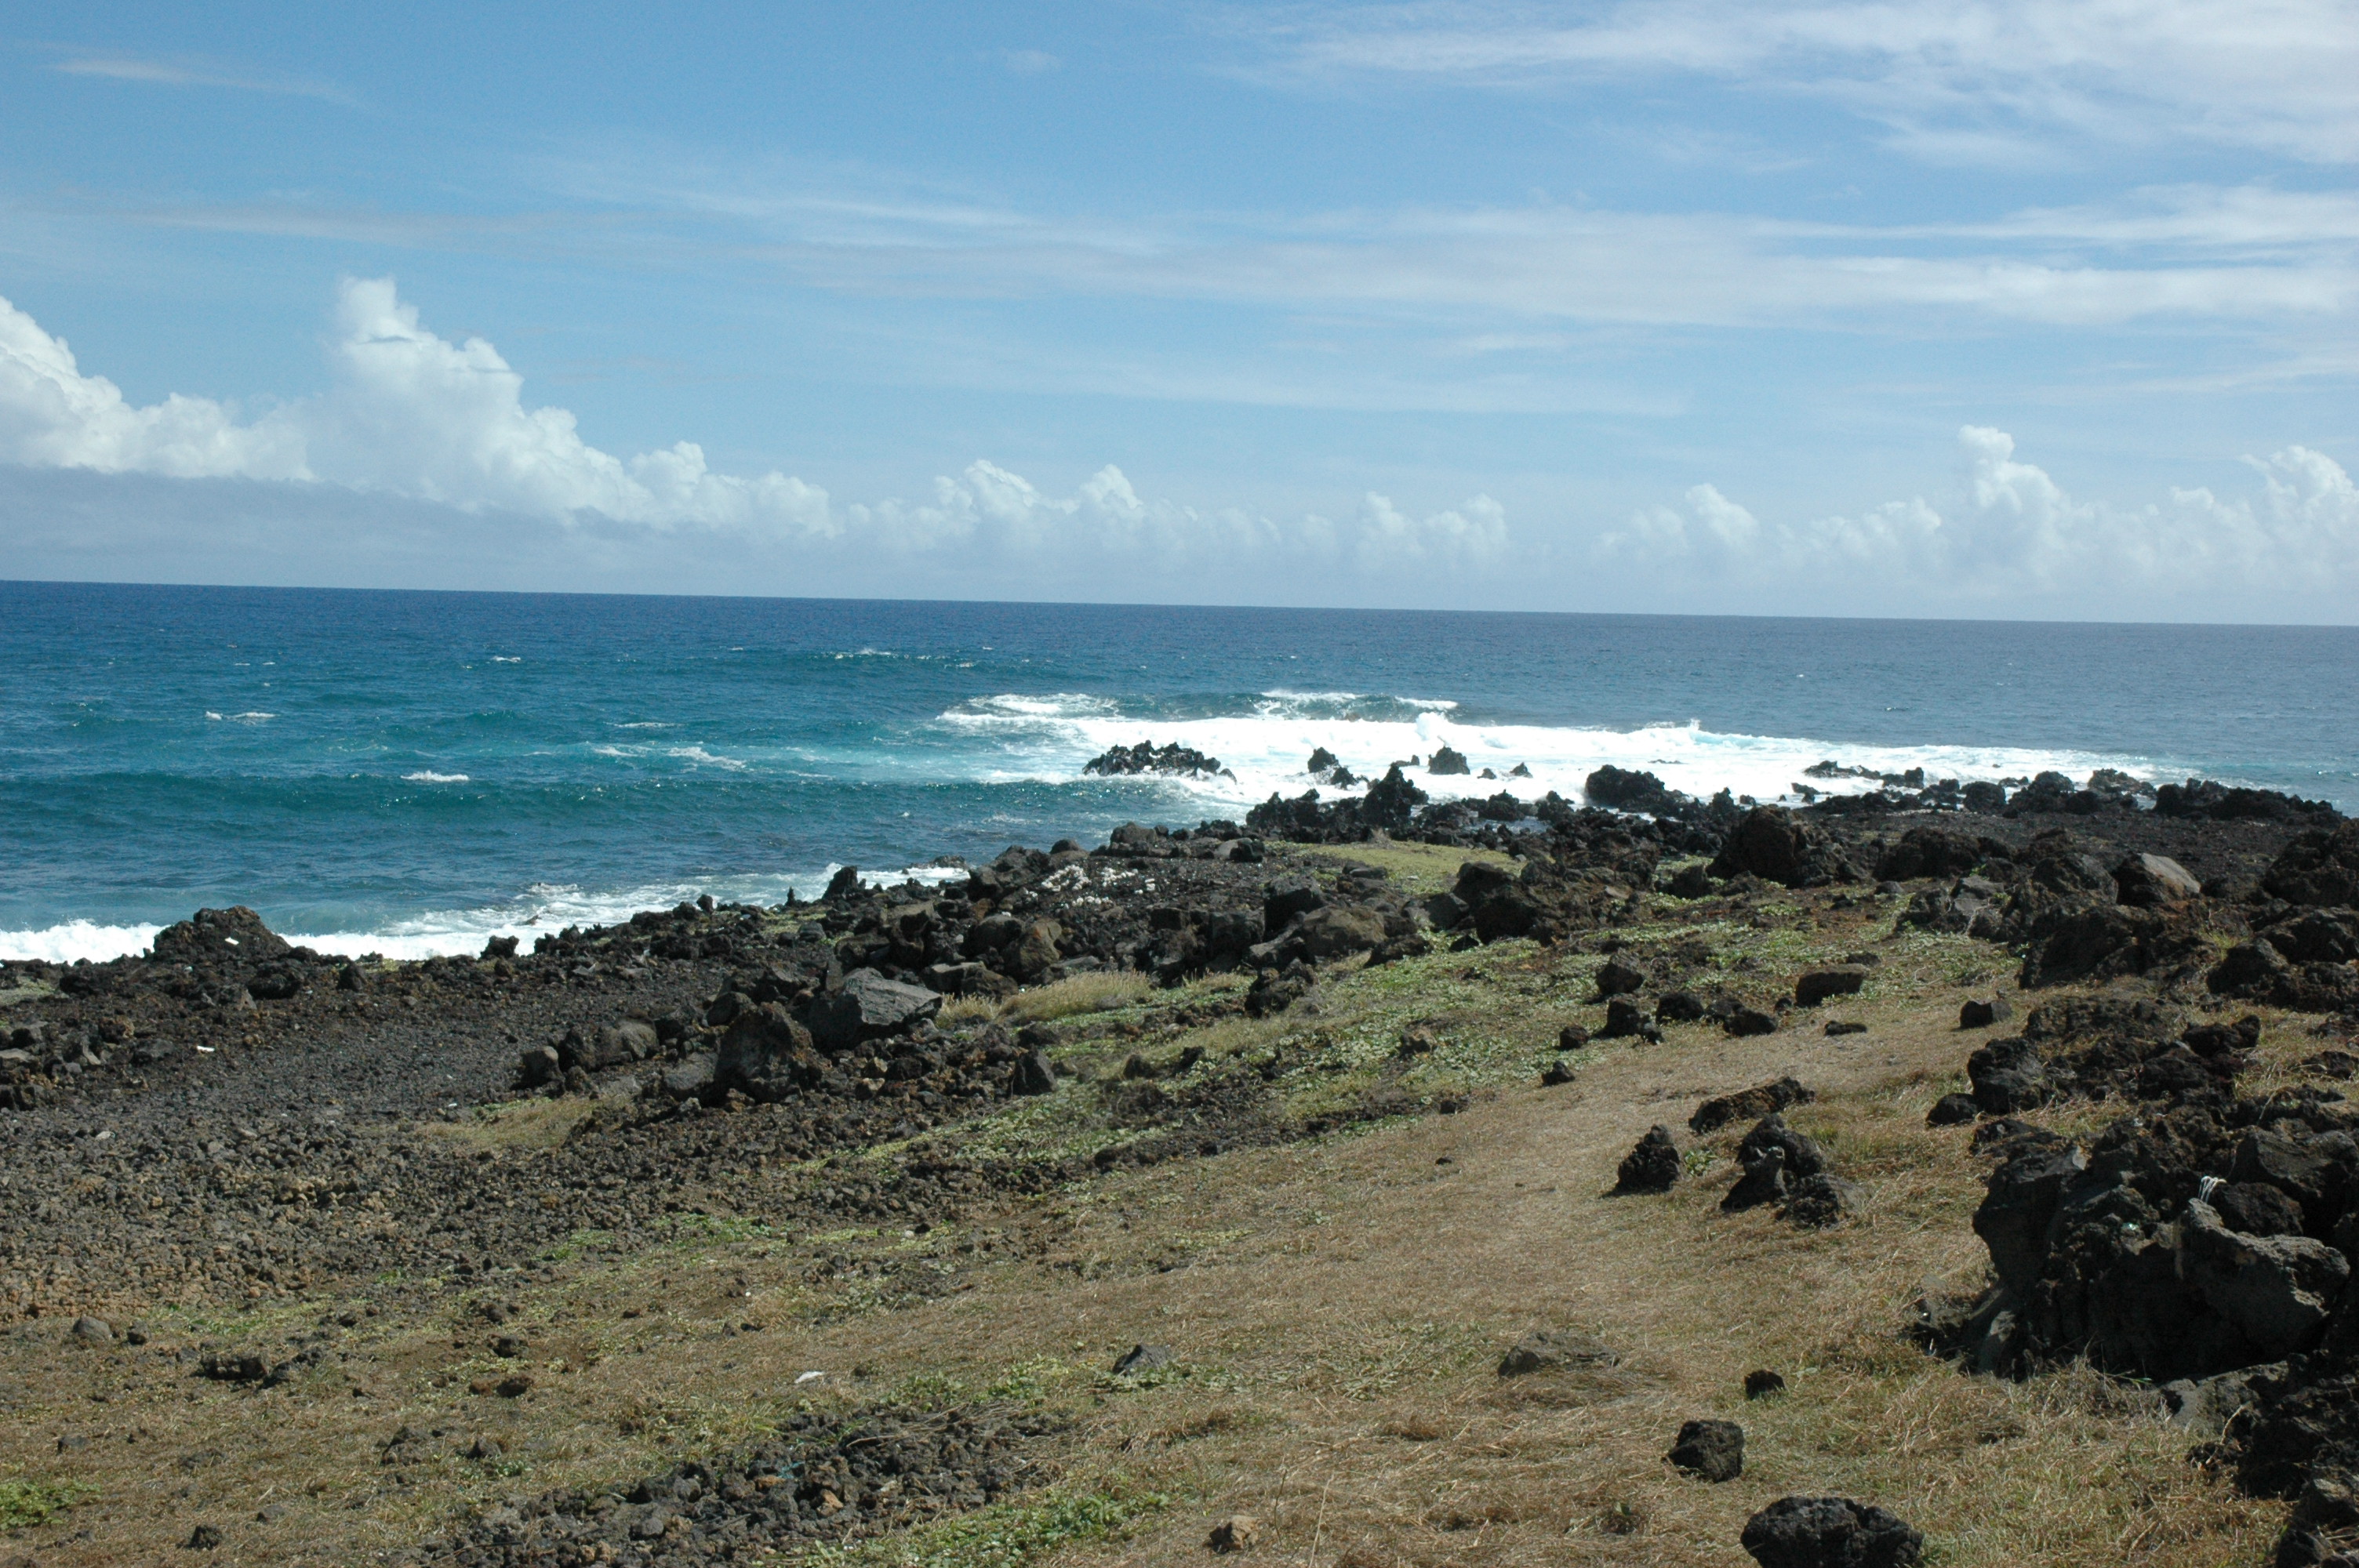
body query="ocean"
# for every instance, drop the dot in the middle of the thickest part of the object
(409, 773)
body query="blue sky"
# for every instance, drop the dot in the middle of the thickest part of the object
(1922, 307)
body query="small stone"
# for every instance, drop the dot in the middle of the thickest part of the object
(1747, 1021)
(270, 1513)
(204, 1538)
(485, 1448)
(1819, 984)
(1838, 1029)
(1713, 1450)
(1238, 1532)
(1142, 1358)
(1558, 1072)
(1572, 1037)
(1762, 1384)
(93, 1331)
(1419, 1041)
(509, 1345)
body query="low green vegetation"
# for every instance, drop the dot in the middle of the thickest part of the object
(26, 1503)
(1008, 1535)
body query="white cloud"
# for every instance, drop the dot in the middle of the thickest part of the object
(416, 417)
(2014, 530)
(410, 415)
(1951, 78)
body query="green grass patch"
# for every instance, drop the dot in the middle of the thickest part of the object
(1008, 1535)
(26, 1503)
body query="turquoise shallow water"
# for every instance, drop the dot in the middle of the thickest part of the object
(409, 772)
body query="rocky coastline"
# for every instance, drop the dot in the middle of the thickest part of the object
(230, 1122)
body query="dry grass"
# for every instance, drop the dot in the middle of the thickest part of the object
(1101, 992)
(520, 1124)
(1337, 1309)
(1418, 868)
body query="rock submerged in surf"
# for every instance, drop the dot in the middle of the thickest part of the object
(1148, 758)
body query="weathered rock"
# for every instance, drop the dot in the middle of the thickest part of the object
(2019, 1204)
(1653, 1166)
(1975, 1013)
(1775, 845)
(1616, 977)
(1760, 1384)
(220, 938)
(1743, 1022)
(1830, 1533)
(1762, 1099)
(869, 1007)
(2009, 1075)
(1340, 929)
(1238, 1532)
(2277, 1290)
(1952, 1110)
(1033, 1075)
(1817, 1202)
(768, 1056)
(1141, 1359)
(1712, 1450)
(1626, 1020)
(92, 1331)
(1448, 760)
(2318, 868)
(1554, 1350)
(2145, 881)
(1819, 984)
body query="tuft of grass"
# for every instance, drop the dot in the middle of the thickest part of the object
(1416, 868)
(961, 1009)
(26, 1503)
(1102, 992)
(1008, 1535)
(520, 1124)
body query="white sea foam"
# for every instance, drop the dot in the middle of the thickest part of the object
(540, 910)
(700, 755)
(240, 717)
(427, 776)
(1040, 740)
(77, 939)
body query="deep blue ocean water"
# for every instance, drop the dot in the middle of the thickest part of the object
(408, 772)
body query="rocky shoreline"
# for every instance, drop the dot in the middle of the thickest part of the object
(231, 1119)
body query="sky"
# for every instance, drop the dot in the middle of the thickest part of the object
(1927, 307)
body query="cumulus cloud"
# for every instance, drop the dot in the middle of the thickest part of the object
(2012, 529)
(416, 417)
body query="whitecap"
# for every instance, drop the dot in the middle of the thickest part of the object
(700, 755)
(427, 776)
(74, 939)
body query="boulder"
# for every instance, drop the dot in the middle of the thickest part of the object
(1979, 1013)
(2145, 881)
(1626, 1020)
(1952, 1110)
(1762, 1099)
(234, 937)
(768, 1054)
(1616, 978)
(1142, 1358)
(2018, 1205)
(1288, 898)
(2009, 1075)
(2316, 868)
(1928, 852)
(2277, 1290)
(1819, 984)
(1448, 760)
(1775, 845)
(1818, 1202)
(1743, 1022)
(1713, 1450)
(1830, 1533)
(1033, 1075)
(1621, 789)
(1340, 929)
(870, 1007)
(1652, 1166)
